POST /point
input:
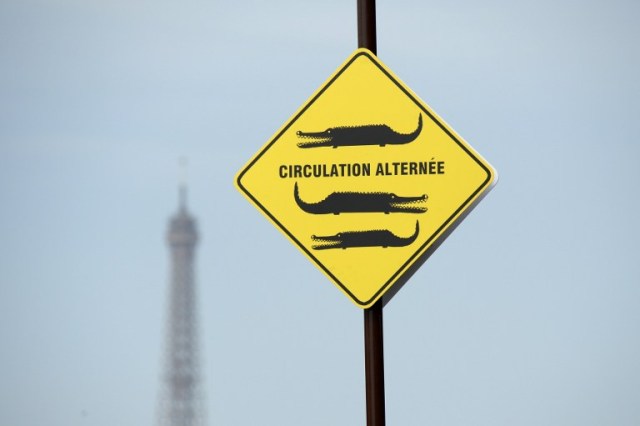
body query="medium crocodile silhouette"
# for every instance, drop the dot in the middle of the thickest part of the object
(374, 238)
(362, 202)
(371, 134)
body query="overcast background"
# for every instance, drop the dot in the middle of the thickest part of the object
(528, 314)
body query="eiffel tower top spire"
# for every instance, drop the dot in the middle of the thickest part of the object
(182, 228)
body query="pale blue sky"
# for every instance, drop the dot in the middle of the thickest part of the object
(527, 315)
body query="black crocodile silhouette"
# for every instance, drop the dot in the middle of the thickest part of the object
(370, 134)
(374, 238)
(362, 202)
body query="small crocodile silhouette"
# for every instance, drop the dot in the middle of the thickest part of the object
(374, 238)
(362, 202)
(370, 134)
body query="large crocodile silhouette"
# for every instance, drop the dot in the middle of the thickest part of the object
(374, 238)
(370, 134)
(362, 202)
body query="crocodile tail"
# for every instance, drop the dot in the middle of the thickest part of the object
(309, 208)
(413, 237)
(410, 137)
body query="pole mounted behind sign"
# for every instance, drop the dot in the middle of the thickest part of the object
(373, 320)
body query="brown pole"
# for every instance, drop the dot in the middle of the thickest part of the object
(373, 342)
(367, 25)
(374, 364)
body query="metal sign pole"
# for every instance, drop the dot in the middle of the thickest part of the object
(373, 342)
(374, 364)
(367, 25)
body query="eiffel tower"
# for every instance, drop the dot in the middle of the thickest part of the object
(180, 394)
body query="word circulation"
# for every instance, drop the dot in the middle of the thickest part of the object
(401, 168)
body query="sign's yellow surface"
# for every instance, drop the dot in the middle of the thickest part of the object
(365, 178)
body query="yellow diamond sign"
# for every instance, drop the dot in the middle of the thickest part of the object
(365, 179)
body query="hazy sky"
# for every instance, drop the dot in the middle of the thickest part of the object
(528, 314)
